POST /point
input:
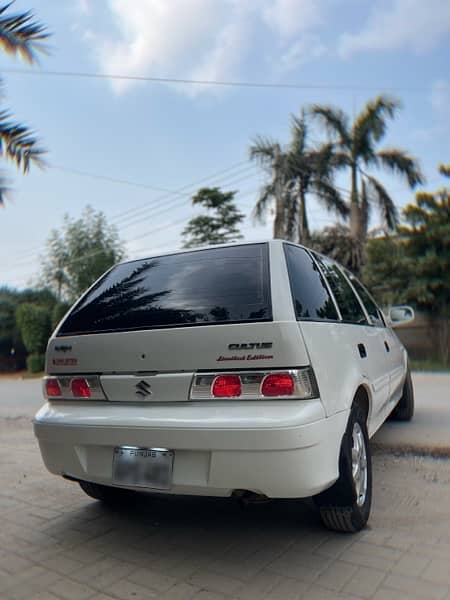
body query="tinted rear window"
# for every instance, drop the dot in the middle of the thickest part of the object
(223, 285)
(311, 297)
(348, 303)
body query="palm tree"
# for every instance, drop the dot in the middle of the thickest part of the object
(295, 171)
(354, 147)
(20, 35)
(310, 171)
(275, 161)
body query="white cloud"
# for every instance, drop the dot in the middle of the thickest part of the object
(202, 39)
(154, 37)
(290, 17)
(309, 47)
(224, 56)
(415, 24)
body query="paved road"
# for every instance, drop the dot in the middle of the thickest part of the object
(20, 397)
(429, 431)
(57, 544)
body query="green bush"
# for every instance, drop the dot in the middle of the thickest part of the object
(58, 312)
(35, 362)
(34, 324)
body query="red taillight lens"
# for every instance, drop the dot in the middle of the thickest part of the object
(278, 384)
(53, 388)
(80, 388)
(226, 386)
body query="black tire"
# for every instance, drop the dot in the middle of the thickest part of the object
(105, 493)
(341, 509)
(404, 411)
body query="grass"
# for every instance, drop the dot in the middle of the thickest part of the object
(430, 364)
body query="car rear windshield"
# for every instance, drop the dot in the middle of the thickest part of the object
(217, 285)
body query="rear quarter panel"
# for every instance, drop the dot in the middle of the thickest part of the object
(334, 360)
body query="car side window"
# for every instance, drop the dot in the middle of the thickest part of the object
(372, 309)
(347, 301)
(310, 294)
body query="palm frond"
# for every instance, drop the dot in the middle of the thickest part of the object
(18, 143)
(329, 196)
(444, 170)
(335, 121)
(399, 162)
(337, 160)
(21, 34)
(384, 202)
(371, 122)
(266, 195)
(264, 150)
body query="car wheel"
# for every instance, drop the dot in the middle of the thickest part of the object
(404, 411)
(105, 493)
(345, 507)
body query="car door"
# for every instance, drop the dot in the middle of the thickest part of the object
(393, 349)
(366, 339)
(397, 360)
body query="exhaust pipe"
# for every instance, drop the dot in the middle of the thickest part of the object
(246, 497)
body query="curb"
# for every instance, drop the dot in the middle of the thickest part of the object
(421, 450)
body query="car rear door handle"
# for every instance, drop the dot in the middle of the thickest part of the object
(362, 350)
(386, 345)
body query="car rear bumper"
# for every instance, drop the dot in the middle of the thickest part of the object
(283, 450)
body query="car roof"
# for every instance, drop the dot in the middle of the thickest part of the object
(273, 242)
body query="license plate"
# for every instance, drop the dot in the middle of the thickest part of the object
(143, 467)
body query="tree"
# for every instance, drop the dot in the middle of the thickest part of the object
(414, 267)
(444, 170)
(335, 242)
(426, 236)
(295, 171)
(386, 272)
(20, 35)
(275, 161)
(35, 327)
(12, 350)
(355, 148)
(309, 171)
(220, 227)
(79, 253)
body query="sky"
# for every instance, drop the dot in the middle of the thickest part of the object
(139, 150)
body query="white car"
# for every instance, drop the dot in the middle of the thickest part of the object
(250, 370)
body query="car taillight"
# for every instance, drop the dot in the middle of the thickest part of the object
(278, 384)
(226, 386)
(292, 384)
(80, 388)
(68, 387)
(52, 387)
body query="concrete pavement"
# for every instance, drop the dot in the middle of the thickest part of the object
(58, 544)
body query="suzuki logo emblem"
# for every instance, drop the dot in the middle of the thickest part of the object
(143, 389)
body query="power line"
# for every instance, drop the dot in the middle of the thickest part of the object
(162, 227)
(145, 207)
(166, 192)
(216, 82)
(170, 207)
